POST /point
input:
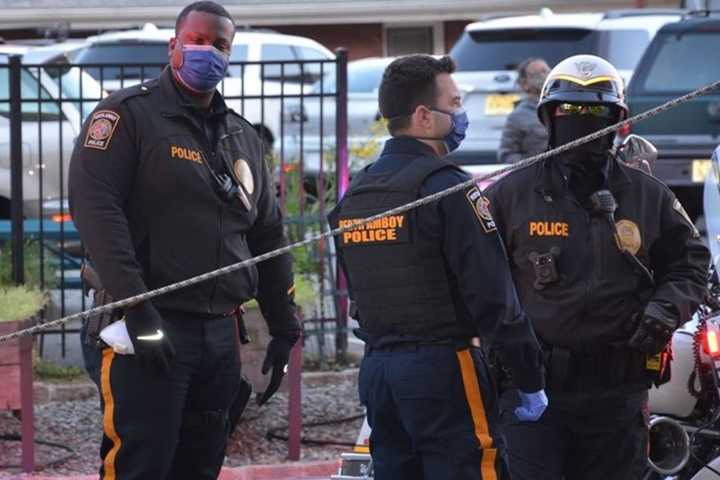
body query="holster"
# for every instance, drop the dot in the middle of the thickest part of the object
(238, 406)
(96, 323)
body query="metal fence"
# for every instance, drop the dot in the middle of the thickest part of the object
(298, 107)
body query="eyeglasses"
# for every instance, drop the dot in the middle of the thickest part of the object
(604, 111)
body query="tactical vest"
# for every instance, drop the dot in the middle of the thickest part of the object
(397, 275)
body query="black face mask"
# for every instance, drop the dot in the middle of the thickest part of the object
(590, 157)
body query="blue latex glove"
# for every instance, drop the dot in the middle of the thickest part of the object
(532, 406)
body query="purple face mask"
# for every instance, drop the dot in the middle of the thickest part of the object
(203, 67)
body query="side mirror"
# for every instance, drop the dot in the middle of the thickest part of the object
(638, 152)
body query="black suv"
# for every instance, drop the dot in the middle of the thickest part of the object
(681, 58)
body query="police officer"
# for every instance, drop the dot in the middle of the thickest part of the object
(607, 265)
(426, 282)
(524, 135)
(166, 182)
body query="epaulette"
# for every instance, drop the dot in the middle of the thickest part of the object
(120, 96)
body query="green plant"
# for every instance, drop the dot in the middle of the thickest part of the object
(45, 370)
(32, 264)
(19, 303)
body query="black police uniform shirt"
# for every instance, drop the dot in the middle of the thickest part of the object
(590, 301)
(150, 213)
(480, 282)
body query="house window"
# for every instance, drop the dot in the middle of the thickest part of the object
(405, 40)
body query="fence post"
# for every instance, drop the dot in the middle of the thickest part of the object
(343, 175)
(16, 171)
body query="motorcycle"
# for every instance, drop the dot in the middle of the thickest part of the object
(685, 412)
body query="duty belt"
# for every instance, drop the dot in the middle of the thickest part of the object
(573, 370)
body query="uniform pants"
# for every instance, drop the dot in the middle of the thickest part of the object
(169, 427)
(581, 436)
(432, 413)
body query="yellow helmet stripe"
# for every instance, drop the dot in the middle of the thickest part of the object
(585, 83)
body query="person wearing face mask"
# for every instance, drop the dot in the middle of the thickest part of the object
(425, 283)
(166, 183)
(524, 135)
(607, 265)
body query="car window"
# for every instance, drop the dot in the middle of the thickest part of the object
(313, 71)
(623, 48)
(272, 52)
(239, 54)
(134, 55)
(29, 90)
(506, 49)
(361, 79)
(680, 63)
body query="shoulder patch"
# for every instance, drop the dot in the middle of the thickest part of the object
(101, 129)
(481, 206)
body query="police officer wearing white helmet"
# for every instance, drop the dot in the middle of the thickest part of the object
(607, 265)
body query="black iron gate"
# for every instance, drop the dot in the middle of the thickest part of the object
(299, 108)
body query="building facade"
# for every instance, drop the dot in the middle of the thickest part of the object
(366, 27)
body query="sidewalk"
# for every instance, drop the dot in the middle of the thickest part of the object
(282, 471)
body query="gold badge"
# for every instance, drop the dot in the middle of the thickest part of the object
(244, 175)
(101, 129)
(629, 236)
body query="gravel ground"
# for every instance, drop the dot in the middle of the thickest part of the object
(77, 425)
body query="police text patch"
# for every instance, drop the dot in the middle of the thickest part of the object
(387, 230)
(185, 154)
(101, 129)
(481, 207)
(549, 229)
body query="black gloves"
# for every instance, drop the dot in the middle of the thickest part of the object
(653, 334)
(152, 347)
(277, 358)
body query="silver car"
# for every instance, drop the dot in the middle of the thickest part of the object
(50, 125)
(490, 50)
(307, 136)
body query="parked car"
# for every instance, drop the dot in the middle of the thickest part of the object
(680, 59)
(50, 125)
(489, 51)
(135, 55)
(303, 140)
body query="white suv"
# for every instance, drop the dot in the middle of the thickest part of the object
(490, 50)
(135, 55)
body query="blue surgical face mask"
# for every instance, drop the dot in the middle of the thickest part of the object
(203, 67)
(459, 123)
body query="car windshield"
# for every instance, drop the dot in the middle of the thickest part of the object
(681, 63)
(506, 49)
(362, 78)
(78, 86)
(144, 60)
(239, 54)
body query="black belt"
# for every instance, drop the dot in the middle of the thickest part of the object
(569, 369)
(457, 343)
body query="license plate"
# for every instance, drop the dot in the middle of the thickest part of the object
(700, 169)
(500, 104)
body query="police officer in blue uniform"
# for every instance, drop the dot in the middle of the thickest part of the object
(607, 265)
(166, 182)
(425, 283)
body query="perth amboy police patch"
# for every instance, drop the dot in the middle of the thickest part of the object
(386, 230)
(481, 206)
(101, 129)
